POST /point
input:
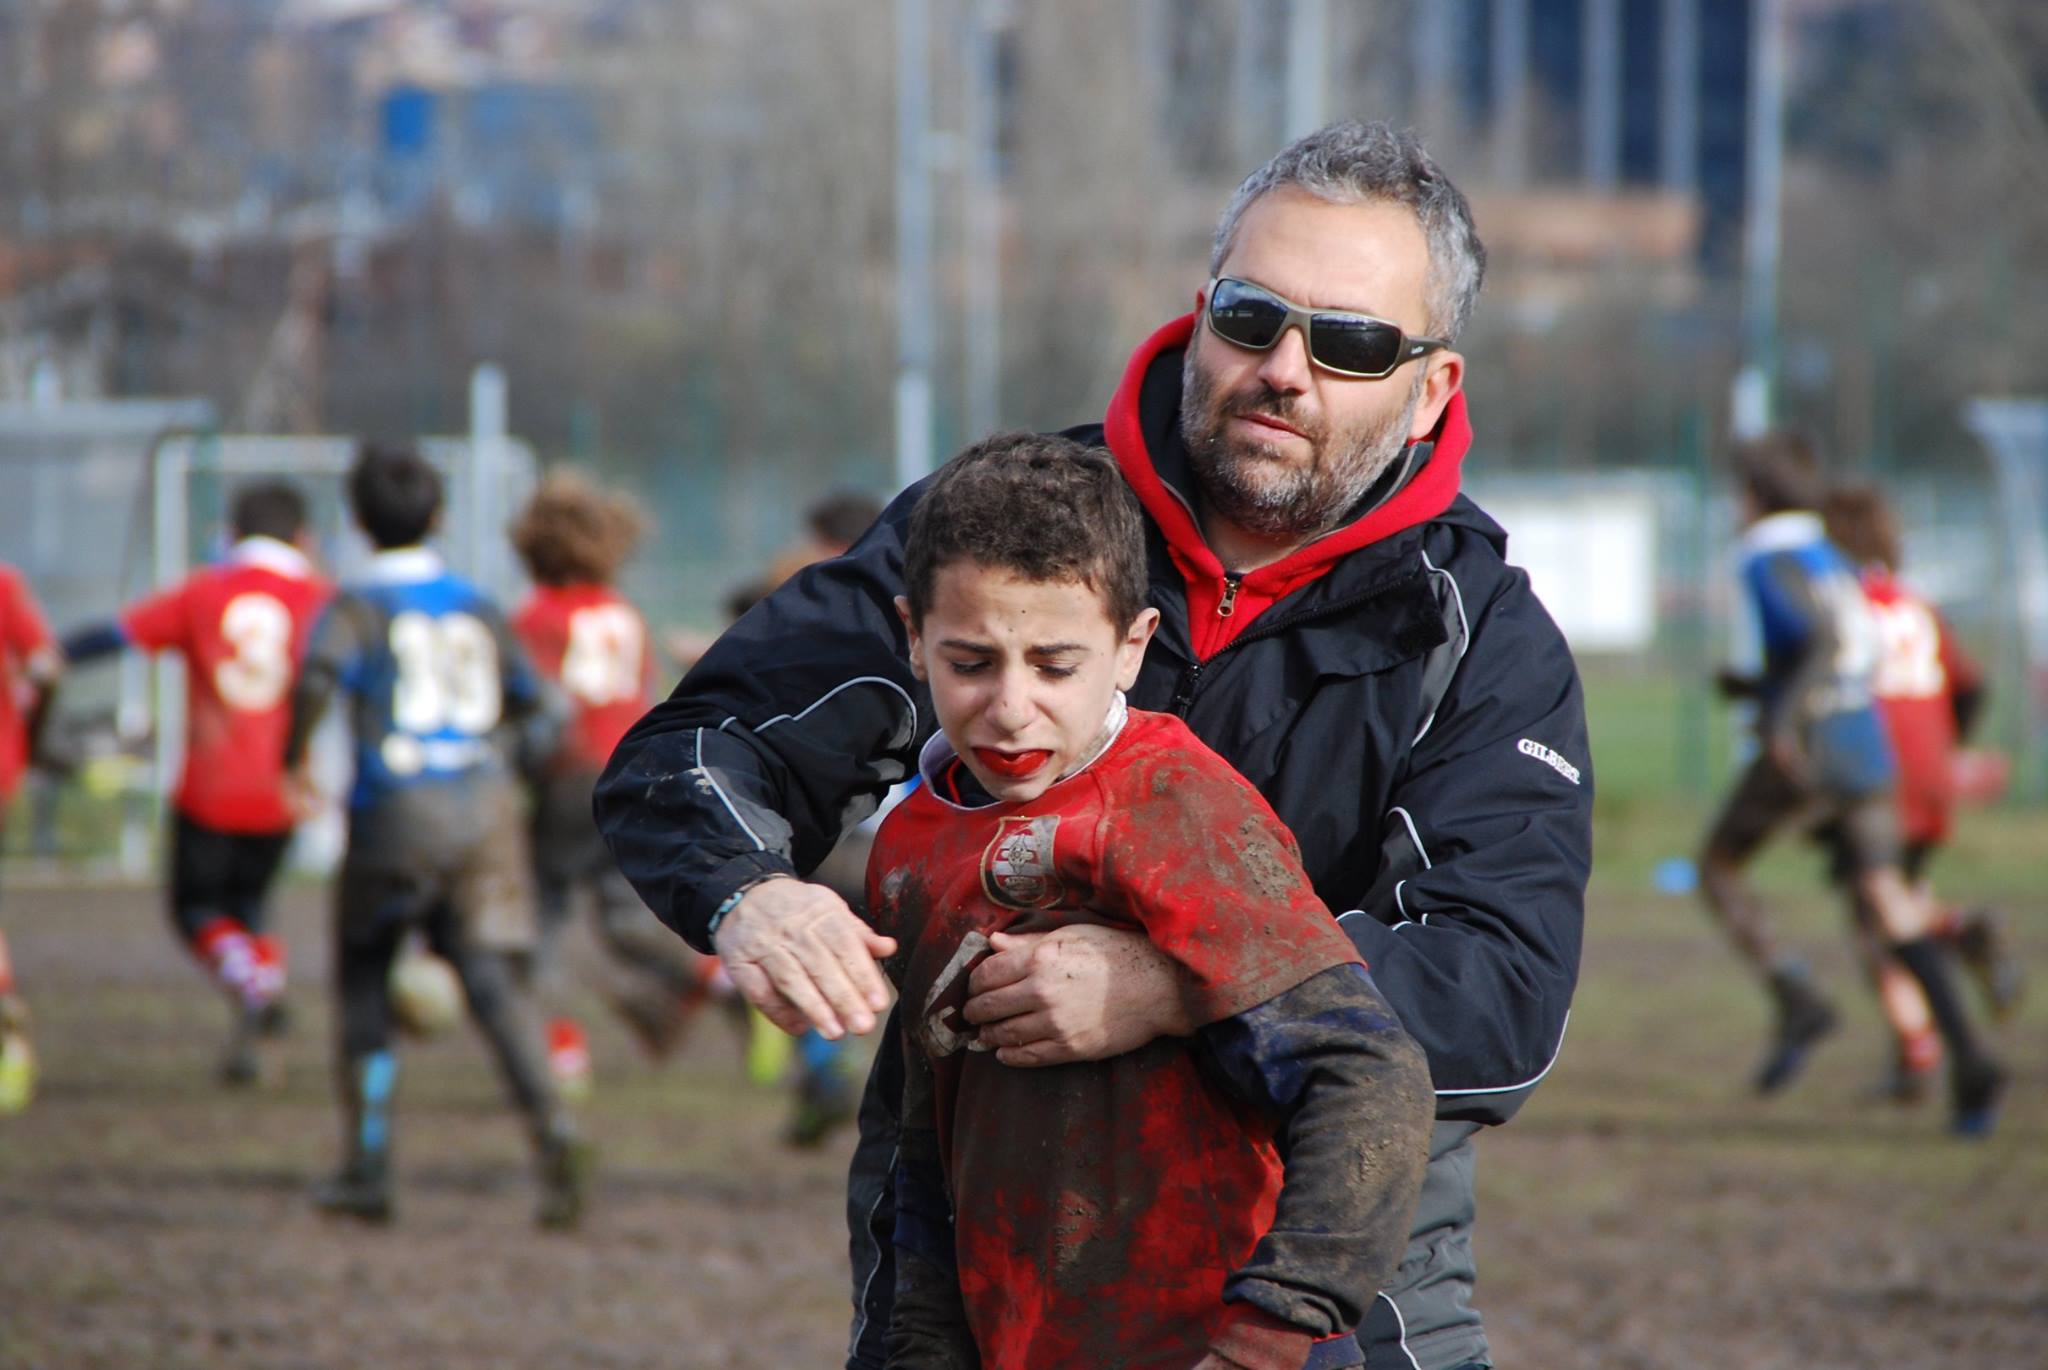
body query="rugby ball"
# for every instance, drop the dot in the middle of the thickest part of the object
(426, 994)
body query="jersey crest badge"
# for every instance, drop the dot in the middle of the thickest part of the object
(1017, 870)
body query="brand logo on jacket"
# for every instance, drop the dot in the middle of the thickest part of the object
(1549, 758)
(1017, 870)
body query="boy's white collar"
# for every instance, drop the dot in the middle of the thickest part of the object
(404, 565)
(272, 554)
(939, 752)
(1783, 531)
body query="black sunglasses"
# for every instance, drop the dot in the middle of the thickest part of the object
(1338, 340)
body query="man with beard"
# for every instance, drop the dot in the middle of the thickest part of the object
(1336, 620)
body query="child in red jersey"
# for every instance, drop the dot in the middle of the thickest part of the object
(586, 638)
(29, 669)
(241, 626)
(1229, 1199)
(1929, 693)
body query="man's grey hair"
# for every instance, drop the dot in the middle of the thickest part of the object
(1352, 163)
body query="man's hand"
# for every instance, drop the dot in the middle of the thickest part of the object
(805, 959)
(1080, 993)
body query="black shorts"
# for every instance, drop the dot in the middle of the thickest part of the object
(217, 874)
(567, 847)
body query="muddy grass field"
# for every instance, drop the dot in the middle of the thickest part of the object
(1643, 1211)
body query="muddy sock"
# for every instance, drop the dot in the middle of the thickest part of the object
(366, 1111)
(1924, 957)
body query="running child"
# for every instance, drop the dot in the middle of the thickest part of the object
(1822, 757)
(30, 666)
(241, 627)
(436, 837)
(583, 635)
(1233, 1198)
(1930, 694)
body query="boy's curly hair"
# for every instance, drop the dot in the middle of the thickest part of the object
(572, 533)
(1040, 506)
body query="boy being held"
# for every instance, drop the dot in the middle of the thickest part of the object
(1231, 1198)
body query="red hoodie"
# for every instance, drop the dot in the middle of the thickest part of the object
(1215, 616)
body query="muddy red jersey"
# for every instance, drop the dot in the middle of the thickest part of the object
(593, 644)
(23, 633)
(1920, 669)
(241, 627)
(1099, 1209)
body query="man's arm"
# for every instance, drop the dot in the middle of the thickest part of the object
(337, 640)
(785, 734)
(1472, 926)
(1350, 1094)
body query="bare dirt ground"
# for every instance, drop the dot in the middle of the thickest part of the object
(1642, 1212)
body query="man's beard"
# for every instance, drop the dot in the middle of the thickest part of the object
(1245, 481)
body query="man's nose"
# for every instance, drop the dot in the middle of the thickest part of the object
(1286, 366)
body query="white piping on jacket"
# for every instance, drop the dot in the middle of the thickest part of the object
(723, 798)
(1464, 639)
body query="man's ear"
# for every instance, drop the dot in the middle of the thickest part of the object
(916, 640)
(1130, 653)
(1446, 375)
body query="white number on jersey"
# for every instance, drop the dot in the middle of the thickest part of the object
(603, 661)
(447, 674)
(258, 631)
(1910, 664)
(1857, 643)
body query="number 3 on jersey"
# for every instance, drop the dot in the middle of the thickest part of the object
(258, 632)
(447, 674)
(602, 663)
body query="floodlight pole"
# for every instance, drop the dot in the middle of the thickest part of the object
(1308, 28)
(913, 241)
(983, 343)
(1755, 383)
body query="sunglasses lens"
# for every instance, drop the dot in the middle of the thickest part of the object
(1245, 316)
(1364, 347)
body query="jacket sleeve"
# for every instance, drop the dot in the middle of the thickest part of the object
(1472, 926)
(1348, 1091)
(788, 732)
(928, 1323)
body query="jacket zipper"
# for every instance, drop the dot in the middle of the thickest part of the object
(1189, 684)
(1227, 606)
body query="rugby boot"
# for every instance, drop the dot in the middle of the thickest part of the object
(17, 1053)
(1906, 1082)
(658, 1020)
(826, 1094)
(566, 1161)
(1804, 1018)
(360, 1190)
(1981, 945)
(1975, 1086)
(240, 1064)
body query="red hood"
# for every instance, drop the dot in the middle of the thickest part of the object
(1428, 494)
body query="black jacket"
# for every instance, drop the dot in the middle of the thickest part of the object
(1408, 708)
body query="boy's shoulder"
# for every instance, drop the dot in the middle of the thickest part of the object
(1158, 754)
